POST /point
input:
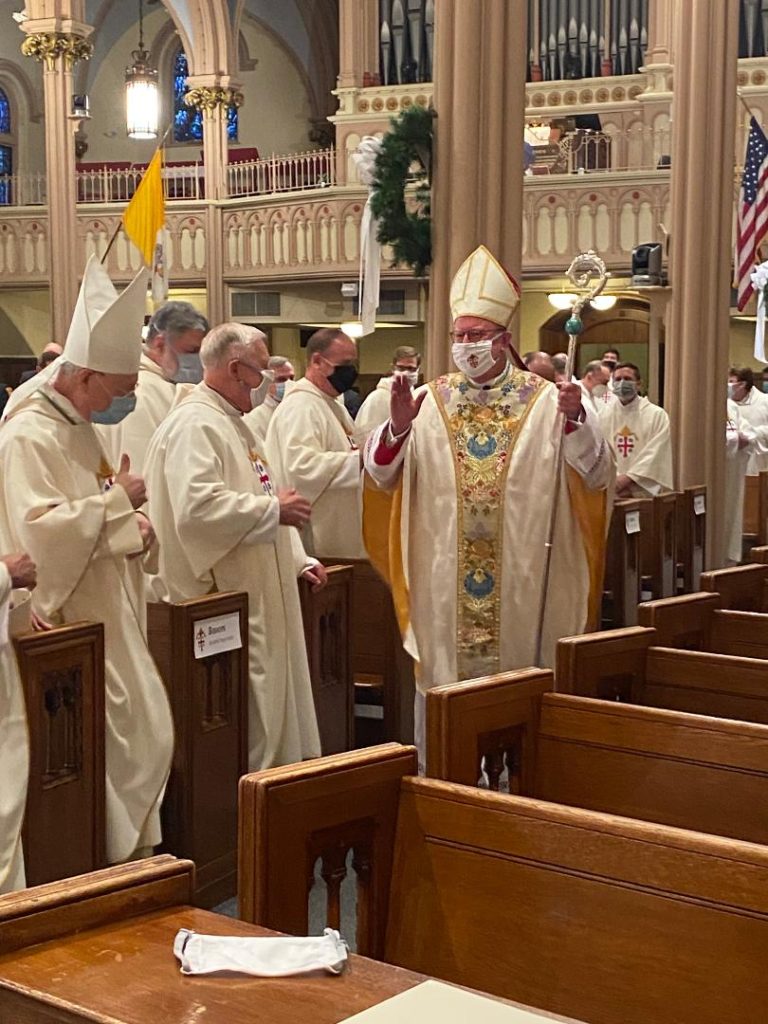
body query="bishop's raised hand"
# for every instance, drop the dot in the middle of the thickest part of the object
(403, 406)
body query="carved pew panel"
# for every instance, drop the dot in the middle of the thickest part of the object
(292, 816)
(622, 569)
(691, 535)
(658, 543)
(706, 684)
(62, 672)
(741, 587)
(328, 635)
(209, 701)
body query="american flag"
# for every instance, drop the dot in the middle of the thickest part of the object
(752, 218)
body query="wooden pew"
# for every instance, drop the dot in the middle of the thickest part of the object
(691, 516)
(658, 544)
(99, 950)
(327, 632)
(382, 671)
(581, 913)
(705, 774)
(621, 594)
(756, 509)
(626, 665)
(696, 622)
(741, 587)
(62, 672)
(209, 701)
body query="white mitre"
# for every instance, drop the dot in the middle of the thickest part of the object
(105, 332)
(483, 288)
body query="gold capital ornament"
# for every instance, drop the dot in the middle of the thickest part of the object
(49, 46)
(209, 98)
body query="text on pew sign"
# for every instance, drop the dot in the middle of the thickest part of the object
(216, 635)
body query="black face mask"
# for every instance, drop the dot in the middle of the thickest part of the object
(342, 378)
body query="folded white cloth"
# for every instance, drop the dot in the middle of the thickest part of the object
(263, 957)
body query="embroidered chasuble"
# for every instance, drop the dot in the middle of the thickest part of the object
(475, 494)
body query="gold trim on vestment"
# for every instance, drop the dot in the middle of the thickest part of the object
(483, 428)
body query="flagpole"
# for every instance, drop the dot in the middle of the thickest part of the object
(117, 230)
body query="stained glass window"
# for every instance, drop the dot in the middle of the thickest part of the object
(5, 114)
(6, 168)
(188, 121)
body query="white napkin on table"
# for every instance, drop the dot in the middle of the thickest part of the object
(263, 957)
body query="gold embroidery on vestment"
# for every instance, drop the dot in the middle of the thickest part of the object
(482, 429)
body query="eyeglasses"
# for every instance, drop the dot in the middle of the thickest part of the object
(479, 334)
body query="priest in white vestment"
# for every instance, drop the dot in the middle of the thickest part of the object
(594, 384)
(374, 411)
(311, 447)
(739, 441)
(752, 404)
(473, 459)
(222, 526)
(76, 514)
(169, 366)
(258, 419)
(638, 432)
(16, 571)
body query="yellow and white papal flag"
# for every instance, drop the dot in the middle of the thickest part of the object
(144, 223)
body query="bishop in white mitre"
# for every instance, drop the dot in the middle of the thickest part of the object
(222, 526)
(638, 432)
(76, 514)
(473, 459)
(16, 571)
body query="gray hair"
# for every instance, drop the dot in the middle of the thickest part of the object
(277, 362)
(175, 318)
(593, 366)
(228, 341)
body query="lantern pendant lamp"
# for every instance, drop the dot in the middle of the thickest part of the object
(142, 98)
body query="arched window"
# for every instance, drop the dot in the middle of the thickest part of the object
(6, 148)
(188, 121)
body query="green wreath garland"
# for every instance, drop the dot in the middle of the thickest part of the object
(407, 228)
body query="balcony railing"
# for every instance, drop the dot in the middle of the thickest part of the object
(294, 173)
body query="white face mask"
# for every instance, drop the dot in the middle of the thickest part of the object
(412, 376)
(475, 358)
(260, 393)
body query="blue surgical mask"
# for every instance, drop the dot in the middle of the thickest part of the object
(190, 369)
(280, 390)
(765, 386)
(626, 389)
(116, 411)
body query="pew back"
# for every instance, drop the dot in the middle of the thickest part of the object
(209, 700)
(741, 587)
(622, 564)
(684, 621)
(327, 633)
(677, 769)
(561, 908)
(62, 672)
(691, 534)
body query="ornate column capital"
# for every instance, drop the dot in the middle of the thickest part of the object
(50, 46)
(213, 97)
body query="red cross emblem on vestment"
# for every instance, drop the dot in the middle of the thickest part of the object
(625, 441)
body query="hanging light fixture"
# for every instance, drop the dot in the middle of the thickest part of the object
(142, 100)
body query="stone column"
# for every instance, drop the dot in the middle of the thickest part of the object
(480, 65)
(358, 43)
(59, 52)
(214, 101)
(706, 48)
